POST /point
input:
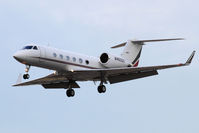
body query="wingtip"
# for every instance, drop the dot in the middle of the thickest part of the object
(19, 80)
(180, 38)
(190, 58)
(15, 85)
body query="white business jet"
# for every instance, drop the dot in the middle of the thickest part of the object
(72, 67)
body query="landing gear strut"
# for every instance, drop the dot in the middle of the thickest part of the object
(27, 76)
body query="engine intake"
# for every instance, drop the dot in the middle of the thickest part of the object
(104, 58)
(112, 61)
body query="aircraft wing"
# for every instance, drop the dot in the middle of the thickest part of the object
(113, 75)
(51, 81)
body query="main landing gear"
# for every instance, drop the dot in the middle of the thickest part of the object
(101, 88)
(27, 76)
(70, 93)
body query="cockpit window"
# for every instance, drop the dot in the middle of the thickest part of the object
(35, 48)
(27, 47)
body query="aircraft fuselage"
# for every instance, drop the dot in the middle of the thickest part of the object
(55, 59)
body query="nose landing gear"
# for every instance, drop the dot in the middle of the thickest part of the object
(27, 76)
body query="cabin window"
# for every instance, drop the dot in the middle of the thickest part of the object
(61, 56)
(67, 58)
(74, 59)
(80, 60)
(87, 62)
(55, 55)
(35, 48)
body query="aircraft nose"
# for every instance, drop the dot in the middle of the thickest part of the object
(18, 56)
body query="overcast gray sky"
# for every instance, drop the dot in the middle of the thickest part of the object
(164, 103)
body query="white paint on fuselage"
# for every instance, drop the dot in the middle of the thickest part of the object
(44, 58)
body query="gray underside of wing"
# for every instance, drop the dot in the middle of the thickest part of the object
(51, 81)
(130, 76)
(60, 85)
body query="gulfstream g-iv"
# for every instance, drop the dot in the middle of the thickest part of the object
(71, 68)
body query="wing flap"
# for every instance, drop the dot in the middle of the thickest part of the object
(130, 76)
(60, 85)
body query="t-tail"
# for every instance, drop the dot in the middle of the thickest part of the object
(133, 48)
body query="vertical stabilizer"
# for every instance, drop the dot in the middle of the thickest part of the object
(132, 52)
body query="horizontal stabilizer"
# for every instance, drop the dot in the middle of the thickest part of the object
(141, 42)
(157, 40)
(119, 45)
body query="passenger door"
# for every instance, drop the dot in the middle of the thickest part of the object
(42, 53)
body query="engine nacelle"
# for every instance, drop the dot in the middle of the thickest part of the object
(112, 61)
